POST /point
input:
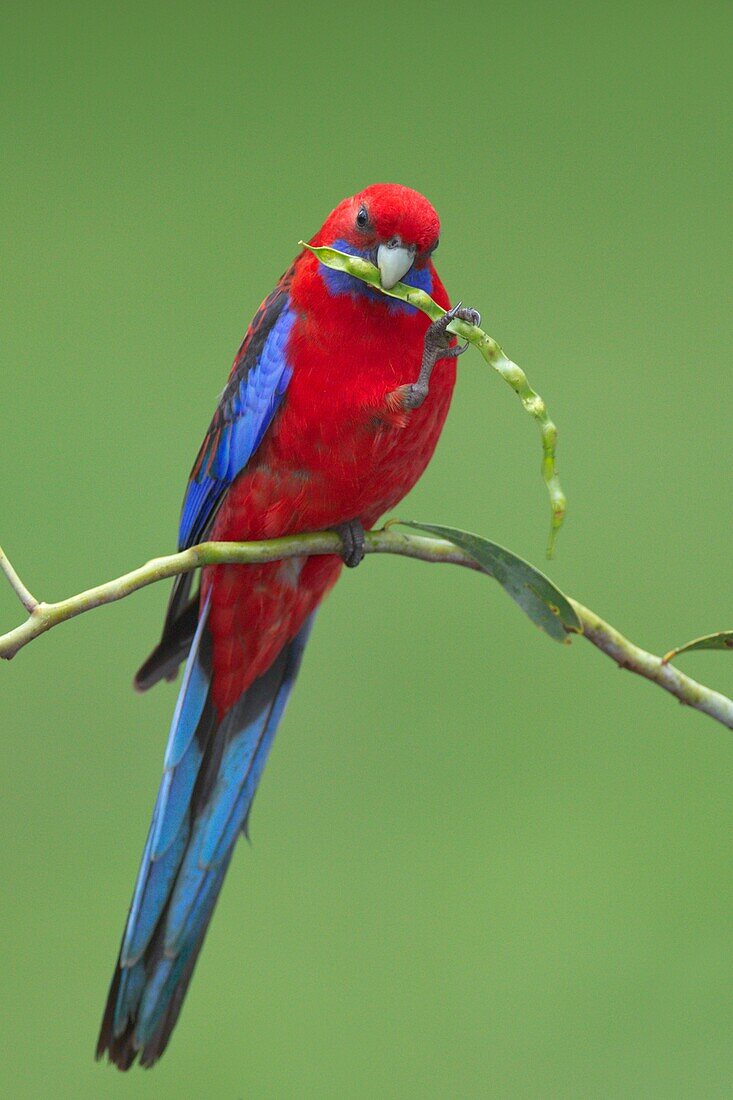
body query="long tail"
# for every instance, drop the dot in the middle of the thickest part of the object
(212, 767)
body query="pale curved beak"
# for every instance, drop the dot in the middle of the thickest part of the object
(394, 260)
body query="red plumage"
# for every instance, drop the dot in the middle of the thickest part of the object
(338, 449)
(327, 371)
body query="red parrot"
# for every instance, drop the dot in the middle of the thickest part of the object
(332, 411)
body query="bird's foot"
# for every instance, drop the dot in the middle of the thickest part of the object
(436, 346)
(437, 338)
(353, 542)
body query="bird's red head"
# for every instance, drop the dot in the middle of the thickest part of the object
(394, 226)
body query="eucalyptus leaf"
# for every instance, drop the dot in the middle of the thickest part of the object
(723, 639)
(535, 593)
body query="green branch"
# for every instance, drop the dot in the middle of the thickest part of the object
(519, 579)
(492, 353)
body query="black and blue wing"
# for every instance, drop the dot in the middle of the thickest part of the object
(250, 399)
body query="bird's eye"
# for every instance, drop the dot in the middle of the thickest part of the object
(362, 218)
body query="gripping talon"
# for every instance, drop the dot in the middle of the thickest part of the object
(471, 316)
(455, 351)
(437, 346)
(352, 537)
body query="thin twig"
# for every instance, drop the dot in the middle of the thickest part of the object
(29, 601)
(599, 633)
(629, 656)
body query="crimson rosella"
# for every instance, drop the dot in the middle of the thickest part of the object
(326, 422)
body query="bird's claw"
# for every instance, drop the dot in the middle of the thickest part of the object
(437, 337)
(353, 542)
(455, 351)
(437, 346)
(471, 316)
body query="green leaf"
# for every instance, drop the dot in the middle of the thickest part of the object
(492, 353)
(722, 640)
(535, 593)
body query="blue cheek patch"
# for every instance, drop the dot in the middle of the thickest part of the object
(339, 282)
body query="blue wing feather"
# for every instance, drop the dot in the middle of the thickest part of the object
(245, 412)
(246, 408)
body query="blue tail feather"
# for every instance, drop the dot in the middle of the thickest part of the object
(191, 698)
(130, 990)
(211, 775)
(162, 875)
(176, 789)
(170, 807)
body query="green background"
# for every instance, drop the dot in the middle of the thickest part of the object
(482, 864)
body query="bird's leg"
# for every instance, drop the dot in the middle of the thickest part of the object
(436, 346)
(352, 537)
